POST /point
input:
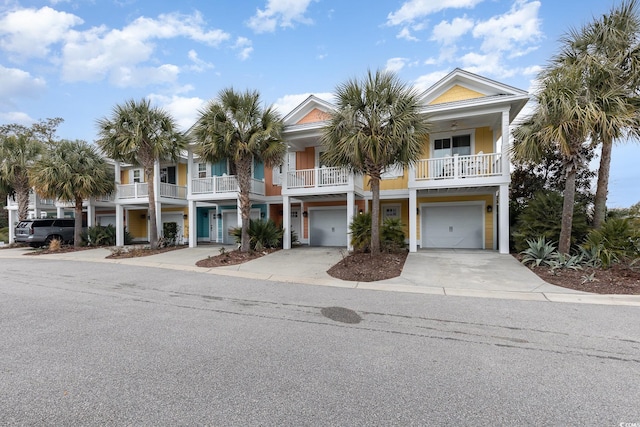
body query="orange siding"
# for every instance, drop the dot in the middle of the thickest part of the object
(314, 116)
(270, 189)
(306, 159)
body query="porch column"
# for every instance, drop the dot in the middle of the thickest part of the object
(116, 172)
(91, 213)
(351, 205)
(156, 188)
(286, 222)
(119, 225)
(193, 224)
(503, 218)
(413, 220)
(189, 172)
(59, 212)
(505, 145)
(239, 211)
(13, 219)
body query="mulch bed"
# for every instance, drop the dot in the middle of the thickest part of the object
(232, 258)
(619, 279)
(364, 267)
(63, 249)
(136, 252)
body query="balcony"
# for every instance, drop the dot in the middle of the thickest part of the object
(322, 180)
(140, 190)
(458, 170)
(224, 186)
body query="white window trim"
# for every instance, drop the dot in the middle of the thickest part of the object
(390, 205)
(470, 132)
(133, 173)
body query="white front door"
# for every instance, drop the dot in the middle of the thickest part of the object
(296, 223)
(452, 226)
(213, 225)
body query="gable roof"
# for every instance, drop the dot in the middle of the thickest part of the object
(471, 82)
(305, 107)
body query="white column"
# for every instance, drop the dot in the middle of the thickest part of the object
(351, 209)
(116, 172)
(59, 212)
(503, 218)
(193, 224)
(119, 225)
(156, 187)
(505, 145)
(413, 220)
(13, 219)
(239, 211)
(190, 173)
(286, 222)
(91, 214)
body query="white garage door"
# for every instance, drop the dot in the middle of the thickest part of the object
(452, 227)
(328, 227)
(229, 220)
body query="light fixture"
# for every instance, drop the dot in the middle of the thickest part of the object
(262, 215)
(360, 212)
(417, 211)
(185, 216)
(219, 216)
(489, 208)
(305, 214)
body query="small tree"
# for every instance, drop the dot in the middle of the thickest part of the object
(378, 124)
(140, 134)
(73, 171)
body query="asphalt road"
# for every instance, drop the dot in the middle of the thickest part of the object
(103, 344)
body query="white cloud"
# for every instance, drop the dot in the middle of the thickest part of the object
(245, 47)
(395, 64)
(416, 9)
(510, 31)
(17, 117)
(142, 76)
(282, 13)
(406, 34)
(31, 32)
(424, 82)
(18, 83)
(198, 64)
(448, 32)
(287, 103)
(184, 110)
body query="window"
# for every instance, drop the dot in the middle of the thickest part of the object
(168, 175)
(137, 175)
(390, 211)
(202, 170)
(446, 147)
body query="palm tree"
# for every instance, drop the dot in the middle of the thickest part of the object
(608, 51)
(17, 153)
(377, 124)
(73, 171)
(140, 134)
(559, 122)
(235, 127)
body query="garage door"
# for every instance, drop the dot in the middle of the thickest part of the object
(328, 227)
(452, 227)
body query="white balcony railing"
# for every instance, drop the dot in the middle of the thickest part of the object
(318, 177)
(474, 166)
(224, 184)
(141, 190)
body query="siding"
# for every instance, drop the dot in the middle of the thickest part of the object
(313, 116)
(457, 93)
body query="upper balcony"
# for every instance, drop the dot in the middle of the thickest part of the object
(35, 202)
(139, 193)
(222, 187)
(459, 171)
(323, 180)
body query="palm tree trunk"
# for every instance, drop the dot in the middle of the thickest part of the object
(564, 245)
(153, 224)
(77, 224)
(22, 197)
(600, 202)
(243, 171)
(375, 215)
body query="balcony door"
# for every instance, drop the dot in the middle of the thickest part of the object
(168, 175)
(448, 146)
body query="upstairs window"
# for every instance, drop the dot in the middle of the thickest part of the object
(202, 170)
(446, 147)
(137, 175)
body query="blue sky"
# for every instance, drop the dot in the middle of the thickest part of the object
(76, 59)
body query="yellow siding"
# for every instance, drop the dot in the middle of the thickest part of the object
(457, 93)
(124, 176)
(137, 225)
(400, 183)
(484, 140)
(182, 174)
(488, 217)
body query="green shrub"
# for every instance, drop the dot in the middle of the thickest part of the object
(360, 230)
(103, 236)
(543, 218)
(539, 252)
(169, 234)
(262, 234)
(392, 235)
(4, 234)
(615, 241)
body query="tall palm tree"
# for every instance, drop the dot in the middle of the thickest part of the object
(378, 123)
(608, 51)
(140, 134)
(17, 154)
(234, 126)
(73, 171)
(558, 122)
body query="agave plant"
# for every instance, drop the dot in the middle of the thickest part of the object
(539, 252)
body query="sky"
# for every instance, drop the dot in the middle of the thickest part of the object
(77, 59)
